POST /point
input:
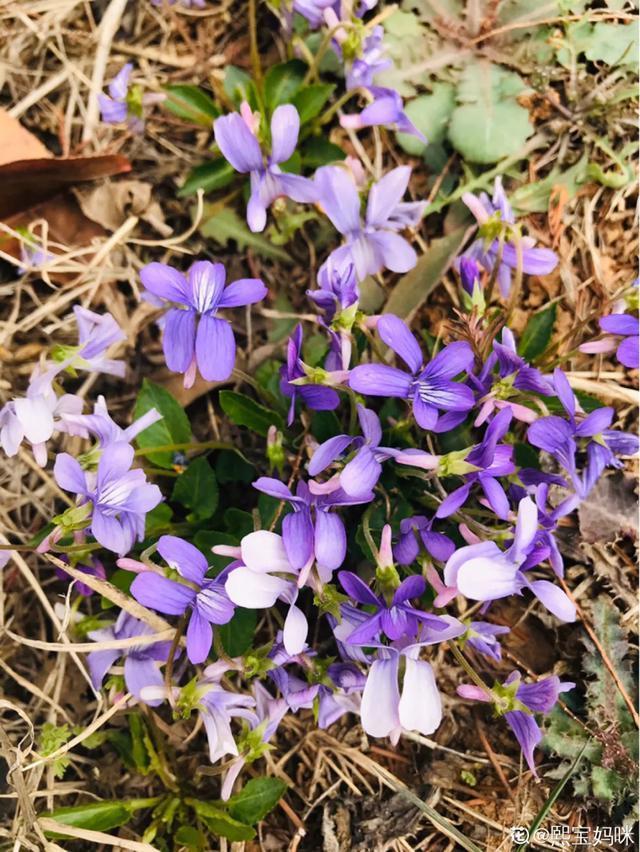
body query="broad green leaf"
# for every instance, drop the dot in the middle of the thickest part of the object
(613, 43)
(412, 289)
(318, 151)
(537, 334)
(408, 44)
(430, 114)
(310, 100)
(174, 427)
(237, 635)
(238, 86)
(204, 540)
(244, 411)
(238, 522)
(209, 176)
(223, 224)
(191, 103)
(231, 467)
(256, 799)
(96, 816)
(158, 520)
(489, 123)
(190, 837)
(282, 83)
(197, 489)
(220, 822)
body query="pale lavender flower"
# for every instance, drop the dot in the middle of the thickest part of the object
(482, 637)
(236, 138)
(406, 549)
(35, 417)
(94, 569)
(117, 106)
(372, 60)
(217, 707)
(195, 337)
(385, 110)
(375, 243)
(626, 326)
(517, 702)
(117, 497)
(206, 599)
(315, 396)
(141, 662)
(96, 333)
(428, 387)
(337, 289)
(491, 214)
(103, 427)
(483, 572)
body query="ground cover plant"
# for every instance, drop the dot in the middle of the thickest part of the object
(320, 350)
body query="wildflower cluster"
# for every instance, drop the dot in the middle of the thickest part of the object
(434, 488)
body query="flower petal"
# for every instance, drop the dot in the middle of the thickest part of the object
(328, 452)
(179, 339)
(339, 198)
(285, 126)
(361, 474)
(397, 254)
(254, 590)
(184, 557)
(330, 541)
(395, 333)
(386, 194)
(486, 579)
(554, 599)
(294, 632)
(379, 380)
(238, 144)
(161, 594)
(199, 638)
(297, 534)
(380, 698)
(215, 349)
(264, 551)
(420, 707)
(166, 283)
(69, 475)
(245, 291)
(453, 359)
(357, 589)
(139, 672)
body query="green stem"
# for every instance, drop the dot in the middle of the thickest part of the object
(457, 653)
(188, 445)
(255, 53)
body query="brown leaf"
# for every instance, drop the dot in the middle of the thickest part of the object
(610, 511)
(16, 143)
(26, 183)
(110, 204)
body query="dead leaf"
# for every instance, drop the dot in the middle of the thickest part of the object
(610, 511)
(26, 183)
(110, 204)
(16, 143)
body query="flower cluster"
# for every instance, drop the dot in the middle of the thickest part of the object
(415, 491)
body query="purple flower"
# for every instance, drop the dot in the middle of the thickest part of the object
(141, 662)
(206, 599)
(105, 429)
(118, 106)
(375, 244)
(482, 636)
(217, 708)
(371, 61)
(429, 388)
(317, 397)
(488, 461)
(483, 572)
(386, 110)
(312, 530)
(495, 216)
(312, 10)
(236, 138)
(96, 333)
(469, 274)
(194, 334)
(95, 569)
(36, 417)
(118, 497)
(514, 375)
(627, 326)
(518, 702)
(338, 289)
(361, 473)
(406, 549)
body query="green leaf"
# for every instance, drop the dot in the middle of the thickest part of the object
(238, 86)
(96, 816)
(244, 411)
(190, 837)
(158, 520)
(282, 83)
(209, 176)
(430, 114)
(318, 151)
(231, 467)
(535, 197)
(613, 44)
(204, 540)
(489, 123)
(223, 224)
(237, 635)
(256, 799)
(191, 103)
(412, 289)
(174, 427)
(220, 822)
(537, 334)
(310, 100)
(197, 489)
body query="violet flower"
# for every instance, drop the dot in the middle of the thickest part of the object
(117, 498)
(483, 572)
(120, 106)
(217, 707)
(494, 218)
(385, 110)
(406, 549)
(141, 662)
(96, 333)
(253, 582)
(361, 473)
(35, 417)
(103, 427)
(206, 599)
(469, 274)
(194, 335)
(315, 396)
(428, 387)
(95, 569)
(482, 637)
(376, 243)
(514, 377)
(370, 62)
(236, 135)
(518, 702)
(626, 326)
(337, 290)
(312, 530)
